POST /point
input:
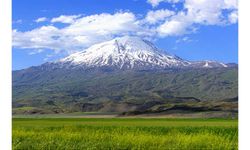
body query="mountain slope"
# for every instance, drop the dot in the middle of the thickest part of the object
(125, 52)
(68, 88)
(127, 71)
(129, 53)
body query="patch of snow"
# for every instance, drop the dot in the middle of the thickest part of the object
(130, 52)
(124, 50)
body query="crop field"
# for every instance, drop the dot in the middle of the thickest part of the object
(123, 133)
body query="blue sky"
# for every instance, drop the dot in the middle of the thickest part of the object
(46, 30)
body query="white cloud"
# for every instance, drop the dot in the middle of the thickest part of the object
(231, 4)
(65, 19)
(153, 17)
(121, 23)
(42, 19)
(155, 3)
(173, 28)
(177, 25)
(40, 38)
(202, 12)
(209, 11)
(80, 33)
(233, 17)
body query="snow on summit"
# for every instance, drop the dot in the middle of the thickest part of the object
(124, 52)
(128, 53)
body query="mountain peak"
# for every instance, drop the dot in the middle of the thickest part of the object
(124, 52)
(130, 52)
(135, 42)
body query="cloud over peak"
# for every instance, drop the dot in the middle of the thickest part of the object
(153, 17)
(80, 33)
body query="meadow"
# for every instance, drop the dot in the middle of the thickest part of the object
(123, 133)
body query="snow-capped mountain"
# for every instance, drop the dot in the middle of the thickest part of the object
(129, 53)
(128, 71)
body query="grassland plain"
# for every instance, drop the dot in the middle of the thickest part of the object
(124, 133)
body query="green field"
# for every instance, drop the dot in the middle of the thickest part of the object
(124, 133)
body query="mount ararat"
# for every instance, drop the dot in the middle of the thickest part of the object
(129, 53)
(122, 75)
